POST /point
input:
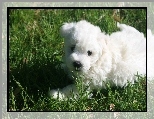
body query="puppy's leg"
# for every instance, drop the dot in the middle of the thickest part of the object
(68, 91)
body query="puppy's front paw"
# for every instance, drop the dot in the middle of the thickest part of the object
(56, 94)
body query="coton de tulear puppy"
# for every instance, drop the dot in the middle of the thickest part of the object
(99, 58)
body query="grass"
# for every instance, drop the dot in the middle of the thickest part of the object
(35, 57)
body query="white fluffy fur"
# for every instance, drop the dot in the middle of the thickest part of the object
(101, 58)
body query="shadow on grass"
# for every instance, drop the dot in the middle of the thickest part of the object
(29, 82)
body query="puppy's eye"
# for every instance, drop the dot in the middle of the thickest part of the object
(72, 48)
(89, 53)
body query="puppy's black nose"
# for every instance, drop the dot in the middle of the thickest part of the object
(77, 65)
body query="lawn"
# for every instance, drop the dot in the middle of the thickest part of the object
(35, 57)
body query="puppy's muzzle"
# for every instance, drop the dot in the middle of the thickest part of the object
(77, 65)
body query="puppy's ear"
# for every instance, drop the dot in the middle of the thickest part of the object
(66, 29)
(103, 41)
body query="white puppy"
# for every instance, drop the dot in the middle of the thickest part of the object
(99, 58)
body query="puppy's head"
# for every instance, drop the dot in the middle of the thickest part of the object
(83, 45)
